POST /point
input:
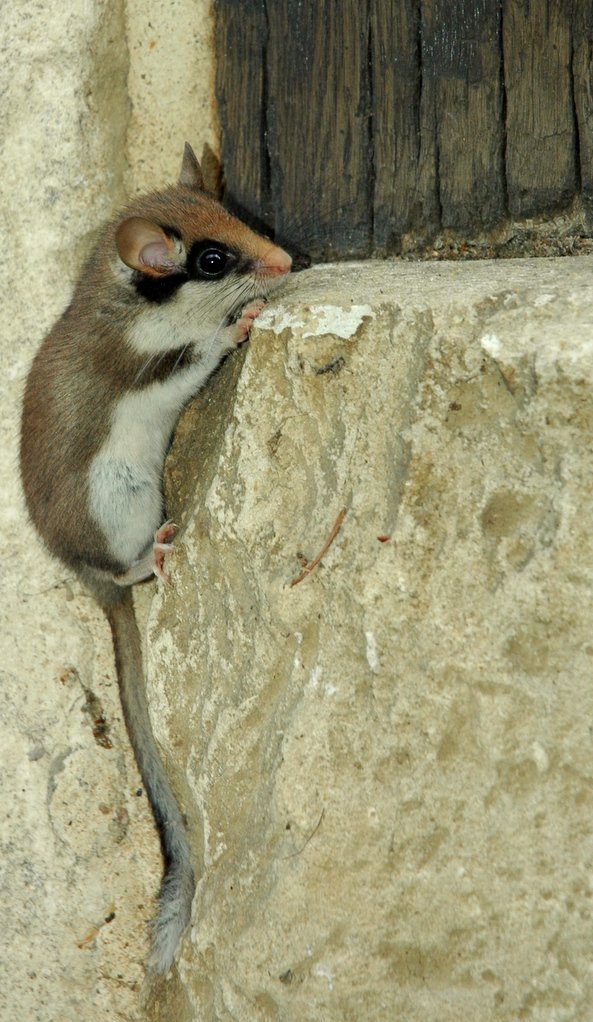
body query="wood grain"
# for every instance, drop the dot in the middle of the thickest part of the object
(318, 121)
(353, 126)
(541, 167)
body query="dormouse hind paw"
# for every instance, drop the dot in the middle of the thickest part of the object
(162, 547)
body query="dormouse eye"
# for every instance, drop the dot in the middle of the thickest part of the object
(213, 262)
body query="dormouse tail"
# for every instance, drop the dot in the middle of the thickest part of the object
(178, 884)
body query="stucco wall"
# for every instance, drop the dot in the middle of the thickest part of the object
(97, 101)
(387, 767)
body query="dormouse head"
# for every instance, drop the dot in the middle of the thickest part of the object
(183, 236)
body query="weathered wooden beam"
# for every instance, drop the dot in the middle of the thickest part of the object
(399, 149)
(371, 126)
(582, 70)
(240, 40)
(462, 52)
(318, 124)
(541, 163)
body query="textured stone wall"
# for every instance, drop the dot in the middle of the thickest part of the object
(83, 123)
(387, 767)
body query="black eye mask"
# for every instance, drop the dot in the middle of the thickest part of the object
(207, 260)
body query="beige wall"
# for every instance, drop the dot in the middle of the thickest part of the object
(97, 101)
(391, 761)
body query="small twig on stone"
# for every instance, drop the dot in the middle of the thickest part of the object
(94, 931)
(308, 568)
(300, 850)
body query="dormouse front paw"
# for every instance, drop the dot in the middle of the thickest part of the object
(243, 325)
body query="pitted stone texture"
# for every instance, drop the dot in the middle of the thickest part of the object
(170, 87)
(390, 763)
(80, 856)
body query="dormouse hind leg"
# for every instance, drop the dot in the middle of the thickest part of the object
(161, 547)
(153, 561)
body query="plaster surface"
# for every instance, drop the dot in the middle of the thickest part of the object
(388, 765)
(386, 768)
(80, 862)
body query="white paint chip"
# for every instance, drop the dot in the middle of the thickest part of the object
(492, 345)
(540, 757)
(316, 320)
(297, 662)
(325, 973)
(371, 652)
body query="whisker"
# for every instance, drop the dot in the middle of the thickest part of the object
(146, 365)
(179, 357)
(242, 291)
(222, 304)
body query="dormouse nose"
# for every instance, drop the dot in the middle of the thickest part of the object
(275, 261)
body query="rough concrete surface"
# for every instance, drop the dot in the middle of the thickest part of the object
(170, 86)
(77, 843)
(387, 767)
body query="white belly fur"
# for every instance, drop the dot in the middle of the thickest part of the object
(125, 477)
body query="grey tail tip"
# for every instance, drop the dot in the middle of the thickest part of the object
(175, 899)
(165, 941)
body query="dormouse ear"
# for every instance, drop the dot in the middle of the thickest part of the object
(144, 246)
(190, 175)
(211, 171)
